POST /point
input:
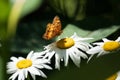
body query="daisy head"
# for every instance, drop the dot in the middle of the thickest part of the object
(115, 76)
(20, 67)
(105, 47)
(64, 48)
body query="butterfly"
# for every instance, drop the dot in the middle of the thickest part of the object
(53, 29)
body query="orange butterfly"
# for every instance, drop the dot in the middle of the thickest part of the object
(53, 29)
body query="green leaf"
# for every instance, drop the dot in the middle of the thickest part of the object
(70, 29)
(29, 6)
(96, 34)
(101, 33)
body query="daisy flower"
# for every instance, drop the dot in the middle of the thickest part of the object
(20, 67)
(114, 77)
(64, 48)
(105, 47)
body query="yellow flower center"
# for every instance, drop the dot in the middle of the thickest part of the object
(65, 43)
(24, 63)
(113, 77)
(111, 46)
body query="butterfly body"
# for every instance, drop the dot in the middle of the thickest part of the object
(53, 29)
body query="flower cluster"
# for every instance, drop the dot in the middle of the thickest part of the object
(74, 48)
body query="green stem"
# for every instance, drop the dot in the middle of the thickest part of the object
(4, 50)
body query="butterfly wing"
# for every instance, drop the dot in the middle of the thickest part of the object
(57, 24)
(47, 33)
(53, 29)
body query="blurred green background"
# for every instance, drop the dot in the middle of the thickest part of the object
(22, 25)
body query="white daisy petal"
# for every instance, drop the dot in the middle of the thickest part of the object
(30, 55)
(14, 75)
(105, 39)
(84, 39)
(98, 43)
(49, 55)
(41, 61)
(21, 75)
(118, 39)
(39, 53)
(75, 59)
(42, 74)
(82, 47)
(11, 71)
(24, 74)
(33, 76)
(118, 76)
(90, 58)
(46, 66)
(33, 70)
(74, 35)
(77, 38)
(39, 66)
(66, 58)
(57, 61)
(101, 53)
(94, 50)
(13, 58)
(20, 58)
(81, 54)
